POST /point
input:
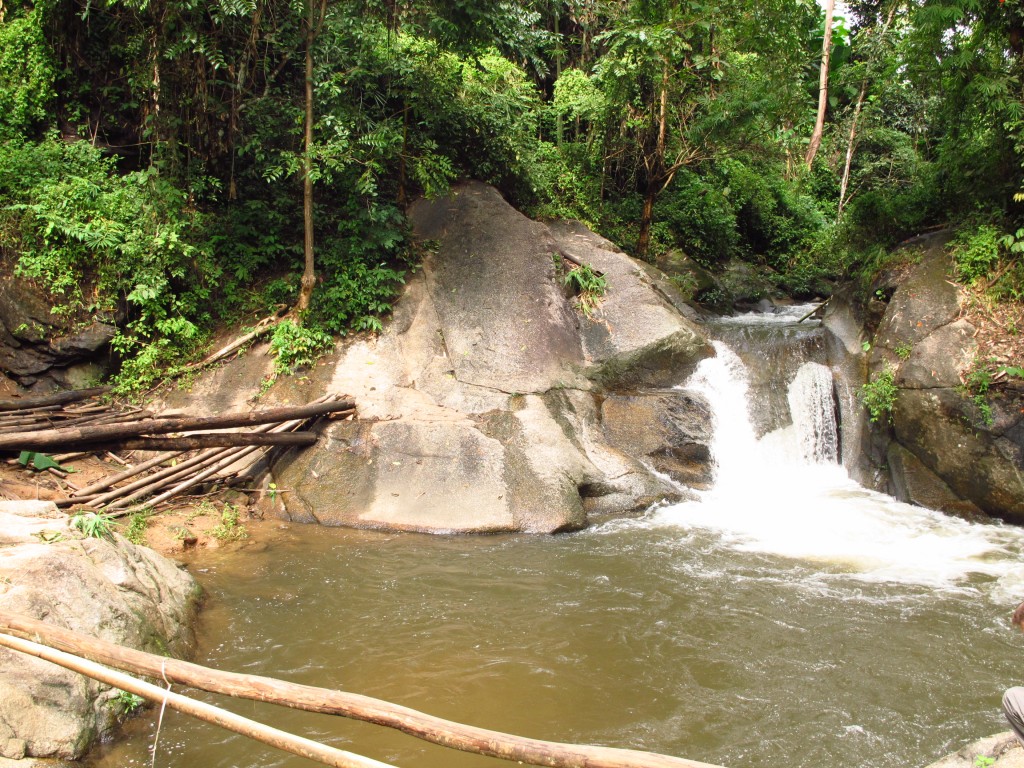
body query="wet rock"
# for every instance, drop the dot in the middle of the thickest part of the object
(999, 751)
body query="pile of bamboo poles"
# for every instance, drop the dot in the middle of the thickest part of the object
(190, 450)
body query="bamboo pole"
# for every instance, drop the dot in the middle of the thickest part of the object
(436, 730)
(130, 472)
(168, 473)
(297, 745)
(210, 440)
(47, 438)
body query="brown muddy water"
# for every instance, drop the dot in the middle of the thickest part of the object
(637, 634)
(787, 617)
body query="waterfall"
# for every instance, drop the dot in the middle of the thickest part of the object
(812, 406)
(785, 494)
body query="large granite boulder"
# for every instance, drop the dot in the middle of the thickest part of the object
(480, 405)
(108, 588)
(954, 459)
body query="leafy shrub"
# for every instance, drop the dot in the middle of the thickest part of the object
(27, 74)
(297, 346)
(879, 395)
(588, 286)
(700, 217)
(976, 251)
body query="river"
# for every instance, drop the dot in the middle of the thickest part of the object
(786, 617)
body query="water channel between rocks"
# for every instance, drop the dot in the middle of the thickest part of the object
(788, 617)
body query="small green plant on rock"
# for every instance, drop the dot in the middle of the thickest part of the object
(95, 525)
(137, 524)
(903, 350)
(879, 395)
(589, 286)
(976, 386)
(127, 703)
(297, 346)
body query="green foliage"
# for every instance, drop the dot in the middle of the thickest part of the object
(127, 703)
(976, 252)
(135, 532)
(588, 287)
(879, 395)
(229, 528)
(700, 216)
(105, 244)
(95, 525)
(28, 74)
(297, 346)
(903, 350)
(976, 386)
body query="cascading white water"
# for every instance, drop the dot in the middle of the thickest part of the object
(785, 494)
(812, 407)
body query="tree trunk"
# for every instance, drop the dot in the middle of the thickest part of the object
(309, 272)
(845, 183)
(643, 242)
(826, 55)
(655, 170)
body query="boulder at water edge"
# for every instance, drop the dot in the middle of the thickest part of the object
(947, 456)
(481, 405)
(107, 588)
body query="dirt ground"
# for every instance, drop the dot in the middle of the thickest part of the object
(230, 517)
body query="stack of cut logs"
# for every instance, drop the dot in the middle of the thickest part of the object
(79, 423)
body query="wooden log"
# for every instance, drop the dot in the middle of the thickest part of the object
(130, 472)
(351, 705)
(58, 398)
(210, 440)
(296, 745)
(161, 426)
(233, 456)
(157, 480)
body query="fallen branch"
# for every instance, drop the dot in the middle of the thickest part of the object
(208, 713)
(826, 301)
(58, 398)
(355, 706)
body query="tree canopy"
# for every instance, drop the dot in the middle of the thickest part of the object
(174, 163)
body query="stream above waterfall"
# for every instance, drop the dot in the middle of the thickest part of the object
(786, 616)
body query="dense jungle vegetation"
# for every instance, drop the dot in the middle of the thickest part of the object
(173, 164)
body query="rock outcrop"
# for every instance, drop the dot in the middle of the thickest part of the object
(490, 403)
(108, 588)
(39, 350)
(940, 449)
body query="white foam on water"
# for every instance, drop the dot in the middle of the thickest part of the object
(778, 496)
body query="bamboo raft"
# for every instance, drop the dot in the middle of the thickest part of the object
(190, 451)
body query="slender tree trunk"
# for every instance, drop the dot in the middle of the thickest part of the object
(826, 55)
(643, 242)
(655, 170)
(309, 272)
(845, 183)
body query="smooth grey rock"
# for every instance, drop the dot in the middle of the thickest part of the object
(479, 405)
(110, 589)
